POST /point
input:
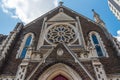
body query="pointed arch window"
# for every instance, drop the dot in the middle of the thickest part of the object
(27, 44)
(97, 45)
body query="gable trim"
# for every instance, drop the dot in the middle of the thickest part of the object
(70, 52)
(78, 61)
(61, 16)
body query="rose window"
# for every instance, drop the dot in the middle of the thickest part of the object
(61, 34)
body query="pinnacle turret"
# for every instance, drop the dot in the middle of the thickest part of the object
(97, 18)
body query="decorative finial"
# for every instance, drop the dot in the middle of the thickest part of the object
(97, 18)
(95, 14)
(60, 3)
(93, 10)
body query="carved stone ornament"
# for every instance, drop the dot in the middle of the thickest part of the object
(60, 52)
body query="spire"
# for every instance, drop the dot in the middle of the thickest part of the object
(95, 14)
(97, 18)
(60, 3)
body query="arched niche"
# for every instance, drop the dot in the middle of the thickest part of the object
(60, 69)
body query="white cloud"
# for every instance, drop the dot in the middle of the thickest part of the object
(27, 10)
(118, 35)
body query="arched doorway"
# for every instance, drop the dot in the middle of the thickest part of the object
(59, 77)
(60, 72)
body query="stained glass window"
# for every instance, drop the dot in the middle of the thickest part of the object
(97, 45)
(95, 39)
(99, 51)
(27, 43)
(61, 34)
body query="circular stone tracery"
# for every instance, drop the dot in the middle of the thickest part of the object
(61, 34)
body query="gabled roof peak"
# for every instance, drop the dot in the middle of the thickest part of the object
(60, 8)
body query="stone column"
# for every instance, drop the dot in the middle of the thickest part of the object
(80, 32)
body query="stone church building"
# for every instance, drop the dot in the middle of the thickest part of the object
(60, 45)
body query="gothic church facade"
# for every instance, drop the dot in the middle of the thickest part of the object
(60, 45)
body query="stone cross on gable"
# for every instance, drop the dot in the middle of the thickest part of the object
(60, 3)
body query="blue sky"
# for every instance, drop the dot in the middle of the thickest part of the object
(11, 12)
